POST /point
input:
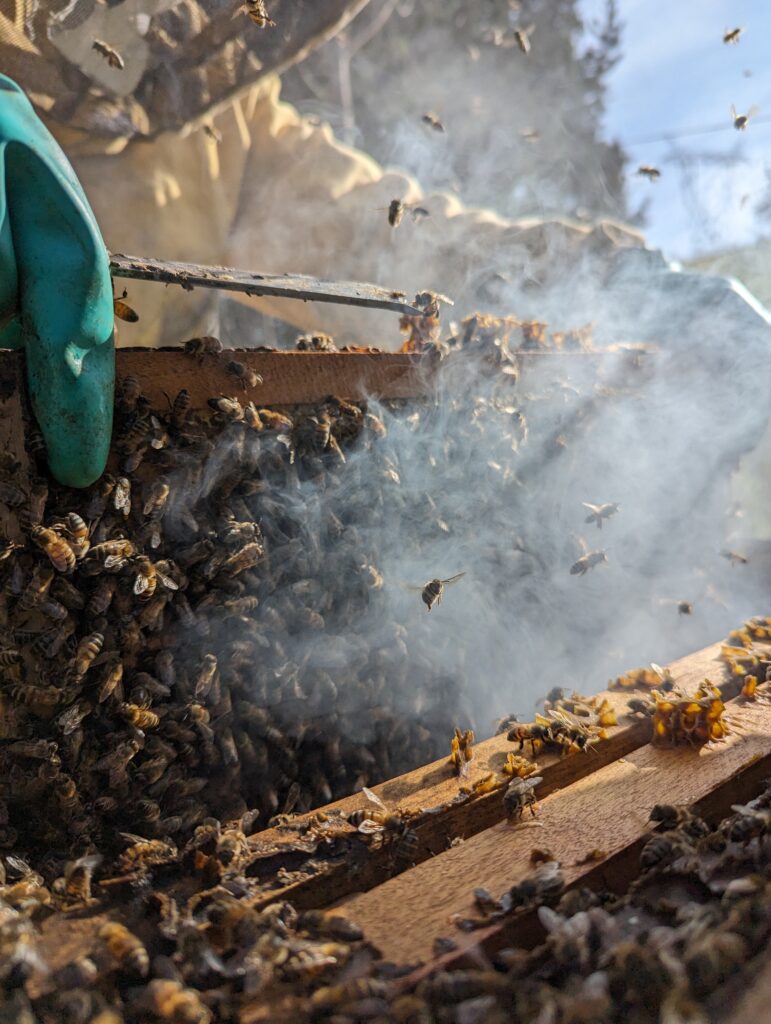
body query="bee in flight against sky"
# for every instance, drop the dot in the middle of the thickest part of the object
(741, 120)
(522, 38)
(599, 512)
(587, 561)
(649, 172)
(734, 557)
(732, 35)
(109, 53)
(432, 121)
(432, 591)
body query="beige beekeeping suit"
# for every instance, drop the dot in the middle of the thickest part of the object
(281, 194)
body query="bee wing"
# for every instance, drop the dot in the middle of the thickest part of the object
(373, 798)
(415, 590)
(733, 112)
(753, 111)
(113, 561)
(167, 581)
(532, 782)
(454, 579)
(370, 828)
(131, 838)
(658, 670)
(141, 583)
(588, 504)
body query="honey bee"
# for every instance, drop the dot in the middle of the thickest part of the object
(649, 171)
(732, 35)
(76, 883)
(123, 311)
(145, 853)
(112, 554)
(431, 592)
(245, 375)
(88, 649)
(75, 526)
(255, 10)
(734, 557)
(180, 407)
(378, 820)
(586, 562)
(740, 122)
(157, 496)
(395, 212)
(684, 608)
(244, 558)
(207, 345)
(148, 577)
(231, 847)
(749, 687)
(211, 132)
(121, 497)
(168, 1000)
(110, 54)
(140, 718)
(58, 550)
(535, 734)
(522, 38)
(126, 949)
(275, 420)
(229, 408)
(461, 750)
(519, 795)
(206, 676)
(599, 512)
(433, 121)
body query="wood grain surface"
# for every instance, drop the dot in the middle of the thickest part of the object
(606, 811)
(327, 875)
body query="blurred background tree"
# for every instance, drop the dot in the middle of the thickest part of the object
(522, 130)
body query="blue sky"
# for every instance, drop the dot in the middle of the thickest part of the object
(677, 75)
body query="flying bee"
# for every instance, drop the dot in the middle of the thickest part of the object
(88, 649)
(649, 171)
(734, 557)
(519, 795)
(148, 577)
(255, 10)
(395, 212)
(110, 54)
(732, 35)
(126, 949)
(599, 512)
(740, 121)
(59, 550)
(432, 121)
(432, 592)
(207, 345)
(211, 132)
(245, 375)
(123, 311)
(587, 561)
(522, 38)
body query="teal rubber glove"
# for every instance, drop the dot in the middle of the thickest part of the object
(55, 293)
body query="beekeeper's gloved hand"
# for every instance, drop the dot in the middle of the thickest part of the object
(55, 293)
